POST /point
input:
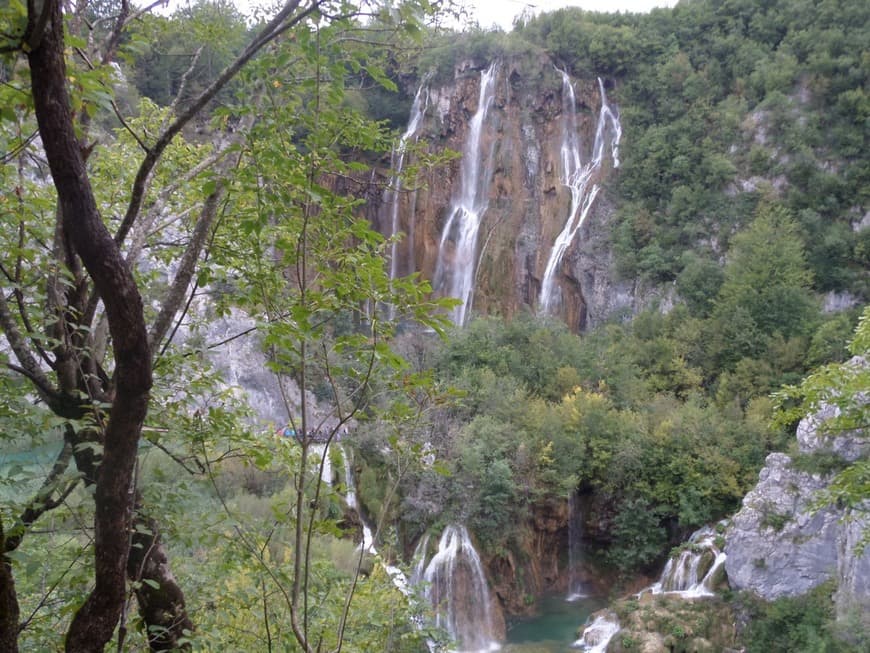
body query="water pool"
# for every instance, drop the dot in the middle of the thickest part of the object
(553, 629)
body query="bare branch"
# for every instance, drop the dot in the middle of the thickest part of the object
(15, 151)
(182, 85)
(117, 32)
(156, 209)
(144, 10)
(186, 267)
(35, 24)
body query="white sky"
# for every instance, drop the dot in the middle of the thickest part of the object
(502, 12)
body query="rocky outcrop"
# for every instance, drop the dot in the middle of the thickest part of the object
(782, 544)
(777, 545)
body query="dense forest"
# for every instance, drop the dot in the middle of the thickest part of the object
(185, 200)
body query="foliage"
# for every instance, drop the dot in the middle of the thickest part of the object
(281, 244)
(617, 413)
(843, 387)
(714, 95)
(799, 624)
(638, 537)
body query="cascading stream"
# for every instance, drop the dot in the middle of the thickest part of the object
(397, 576)
(455, 269)
(456, 588)
(350, 500)
(577, 176)
(597, 635)
(693, 572)
(392, 194)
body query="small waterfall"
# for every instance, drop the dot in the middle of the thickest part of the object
(575, 547)
(419, 560)
(454, 271)
(456, 587)
(397, 162)
(397, 576)
(321, 451)
(693, 572)
(577, 176)
(597, 635)
(368, 543)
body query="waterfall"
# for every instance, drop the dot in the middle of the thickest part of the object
(454, 273)
(368, 543)
(577, 176)
(456, 587)
(321, 451)
(397, 576)
(597, 635)
(418, 560)
(397, 162)
(693, 572)
(575, 547)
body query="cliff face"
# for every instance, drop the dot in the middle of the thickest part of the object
(780, 544)
(519, 185)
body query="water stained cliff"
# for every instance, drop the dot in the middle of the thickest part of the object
(485, 226)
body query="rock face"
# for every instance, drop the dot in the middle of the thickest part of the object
(778, 545)
(527, 203)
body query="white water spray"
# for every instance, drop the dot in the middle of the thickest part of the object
(597, 635)
(454, 275)
(693, 572)
(577, 176)
(456, 587)
(397, 576)
(368, 543)
(321, 452)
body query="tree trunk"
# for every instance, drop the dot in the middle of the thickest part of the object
(9, 610)
(94, 623)
(160, 599)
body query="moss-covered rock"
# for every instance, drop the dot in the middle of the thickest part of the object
(665, 624)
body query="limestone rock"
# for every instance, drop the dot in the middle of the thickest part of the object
(850, 445)
(782, 544)
(776, 545)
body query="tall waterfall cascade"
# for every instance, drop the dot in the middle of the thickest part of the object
(694, 571)
(457, 249)
(393, 191)
(455, 585)
(579, 177)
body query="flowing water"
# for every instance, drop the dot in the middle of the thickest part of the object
(576, 590)
(456, 588)
(368, 542)
(597, 635)
(457, 249)
(578, 177)
(397, 163)
(693, 572)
